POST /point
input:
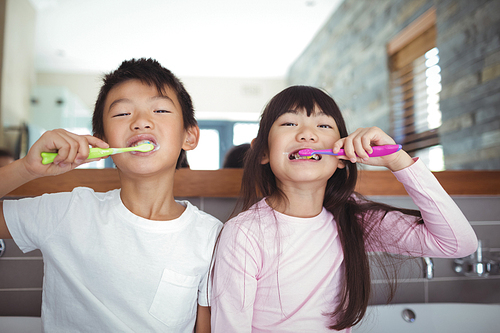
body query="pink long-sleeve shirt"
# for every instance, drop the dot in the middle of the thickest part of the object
(251, 295)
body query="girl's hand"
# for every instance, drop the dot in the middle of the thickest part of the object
(360, 143)
(72, 150)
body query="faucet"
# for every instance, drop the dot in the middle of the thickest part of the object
(477, 264)
(428, 267)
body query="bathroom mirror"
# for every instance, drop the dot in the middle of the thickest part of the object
(234, 59)
(231, 61)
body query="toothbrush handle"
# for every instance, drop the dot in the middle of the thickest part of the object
(384, 150)
(377, 151)
(100, 152)
(48, 158)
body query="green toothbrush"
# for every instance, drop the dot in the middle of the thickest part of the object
(48, 158)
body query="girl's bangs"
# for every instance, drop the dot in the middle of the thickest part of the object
(301, 98)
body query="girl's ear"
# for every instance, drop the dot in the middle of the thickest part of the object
(265, 157)
(192, 138)
(341, 164)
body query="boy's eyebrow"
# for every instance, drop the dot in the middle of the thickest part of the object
(121, 100)
(162, 97)
(126, 100)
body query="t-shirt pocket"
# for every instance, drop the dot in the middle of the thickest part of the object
(175, 299)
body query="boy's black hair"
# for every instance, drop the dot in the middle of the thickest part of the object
(152, 73)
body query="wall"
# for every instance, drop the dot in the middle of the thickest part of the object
(21, 274)
(3, 5)
(17, 22)
(468, 35)
(84, 85)
(231, 98)
(18, 72)
(213, 98)
(348, 58)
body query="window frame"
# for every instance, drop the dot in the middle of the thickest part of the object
(406, 47)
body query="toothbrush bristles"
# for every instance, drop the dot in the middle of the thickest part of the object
(145, 147)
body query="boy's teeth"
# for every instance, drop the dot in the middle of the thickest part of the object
(138, 143)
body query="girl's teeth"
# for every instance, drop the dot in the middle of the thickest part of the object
(312, 157)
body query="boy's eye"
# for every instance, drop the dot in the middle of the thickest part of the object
(121, 114)
(288, 124)
(325, 126)
(162, 111)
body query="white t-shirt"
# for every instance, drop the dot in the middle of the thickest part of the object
(108, 270)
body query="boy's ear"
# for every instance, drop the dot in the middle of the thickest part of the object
(192, 138)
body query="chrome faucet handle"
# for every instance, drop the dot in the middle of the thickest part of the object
(479, 263)
(428, 267)
(2, 247)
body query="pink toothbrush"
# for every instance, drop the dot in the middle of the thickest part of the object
(377, 151)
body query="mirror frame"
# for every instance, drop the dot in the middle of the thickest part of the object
(225, 183)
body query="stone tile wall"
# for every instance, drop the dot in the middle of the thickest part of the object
(348, 58)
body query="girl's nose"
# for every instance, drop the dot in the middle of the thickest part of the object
(307, 135)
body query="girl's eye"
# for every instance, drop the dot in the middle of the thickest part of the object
(289, 124)
(162, 111)
(325, 126)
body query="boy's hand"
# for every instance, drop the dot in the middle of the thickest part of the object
(360, 143)
(72, 150)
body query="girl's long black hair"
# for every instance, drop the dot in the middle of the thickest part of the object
(350, 210)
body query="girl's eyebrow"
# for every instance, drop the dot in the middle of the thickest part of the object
(320, 113)
(314, 113)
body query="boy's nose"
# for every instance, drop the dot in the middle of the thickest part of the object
(141, 123)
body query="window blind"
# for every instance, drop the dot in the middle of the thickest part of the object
(415, 83)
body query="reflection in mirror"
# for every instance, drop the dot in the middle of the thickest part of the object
(57, 107)
(216, 140)
(206, 155)
(66, 46)
(235, 157)
(232, 68)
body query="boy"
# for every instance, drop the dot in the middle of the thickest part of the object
(132, 259)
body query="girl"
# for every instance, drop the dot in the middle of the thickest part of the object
(296, 260)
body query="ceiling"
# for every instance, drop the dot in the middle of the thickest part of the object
(215, 38)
